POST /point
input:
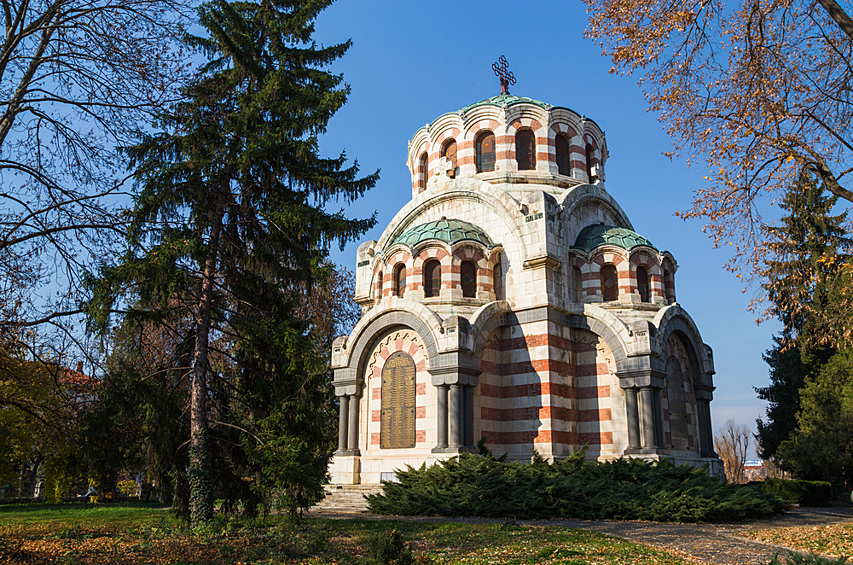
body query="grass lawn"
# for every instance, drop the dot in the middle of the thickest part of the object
(143, 534)
(834, 540)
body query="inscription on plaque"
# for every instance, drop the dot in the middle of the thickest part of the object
(398, 402)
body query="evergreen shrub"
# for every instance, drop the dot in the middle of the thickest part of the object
(388, 548)
(624, 489)
(806, 559)
(805, 493)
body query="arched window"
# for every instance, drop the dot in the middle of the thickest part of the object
(589, 153)
(469, 279)
(643, 284)
(423, 164)
(400, 279)
(668, 286)
(448, 150)
(562, 150)
(577, 285)
(609, 283)
(525, 150)
(432, 278)
(498, 282)
(485, 152)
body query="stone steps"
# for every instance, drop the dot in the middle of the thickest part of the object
(348, 499)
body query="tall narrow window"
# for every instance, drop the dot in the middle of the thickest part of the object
(525, 150)
(432, 278)
(577, 285)
(562, 150)
(424, 163)
(498, 282)
(643, 284)
(486, 152)
(668, 287)
(400, 279)
(589, 154)
(379, 282)
(469, 279)
(449, 151)
(609, 283)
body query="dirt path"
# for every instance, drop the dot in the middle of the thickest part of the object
(711, 543)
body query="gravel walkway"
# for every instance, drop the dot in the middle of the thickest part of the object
(710, 543)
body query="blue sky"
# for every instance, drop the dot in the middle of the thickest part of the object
(412, 61)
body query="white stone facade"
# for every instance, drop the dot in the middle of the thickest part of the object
(522, 307)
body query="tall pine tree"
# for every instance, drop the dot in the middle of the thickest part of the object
(807, 282)
(803, 282)
(229, 227)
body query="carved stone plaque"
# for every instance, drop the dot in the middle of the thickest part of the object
(398, 402)
(677, 404)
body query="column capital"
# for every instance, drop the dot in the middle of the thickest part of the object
(642, 379)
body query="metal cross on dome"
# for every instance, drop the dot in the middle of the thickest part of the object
(503, 73)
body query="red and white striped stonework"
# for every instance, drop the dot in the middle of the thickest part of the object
(608, 258)
(675, 349)
(549, 388)
(545, 124)
(408, 341)
(668, 275)
(646, 260)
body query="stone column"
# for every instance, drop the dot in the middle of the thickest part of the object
(658, 414)
(468, 436)
(442, 416)
(343, 420)
(352, 444)
(633, 415)
(455, 418)
(706, 441)
(647, 417)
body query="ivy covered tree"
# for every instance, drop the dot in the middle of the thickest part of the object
(229, 229)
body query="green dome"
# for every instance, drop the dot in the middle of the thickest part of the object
(508, 99)
(595, 236)
(449, 231)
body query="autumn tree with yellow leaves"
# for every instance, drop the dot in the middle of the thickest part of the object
(760, 90)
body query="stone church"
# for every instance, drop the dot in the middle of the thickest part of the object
(511, 301)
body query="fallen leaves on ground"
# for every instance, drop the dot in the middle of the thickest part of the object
(833, 540)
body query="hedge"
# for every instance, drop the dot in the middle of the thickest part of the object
(624, 489)
(805, 493)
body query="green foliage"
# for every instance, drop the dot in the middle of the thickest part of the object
(624, 489)
(228, 235)
(821, 448)
(790, 365)
(806, 493)
(808, 281)
(389, 548)
(792, 558)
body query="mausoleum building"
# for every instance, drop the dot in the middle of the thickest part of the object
(511, 301)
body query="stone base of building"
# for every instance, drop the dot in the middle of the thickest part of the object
(345, 469)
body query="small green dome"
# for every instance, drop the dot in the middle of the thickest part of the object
(595, 236)
(508, 99)
(449, 231)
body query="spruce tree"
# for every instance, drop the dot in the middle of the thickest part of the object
(807, 283)
(230, 226)
(803, 283)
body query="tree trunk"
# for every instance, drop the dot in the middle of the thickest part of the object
(839, 16)
(201, 483)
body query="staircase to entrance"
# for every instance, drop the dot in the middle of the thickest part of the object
(345, 499)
